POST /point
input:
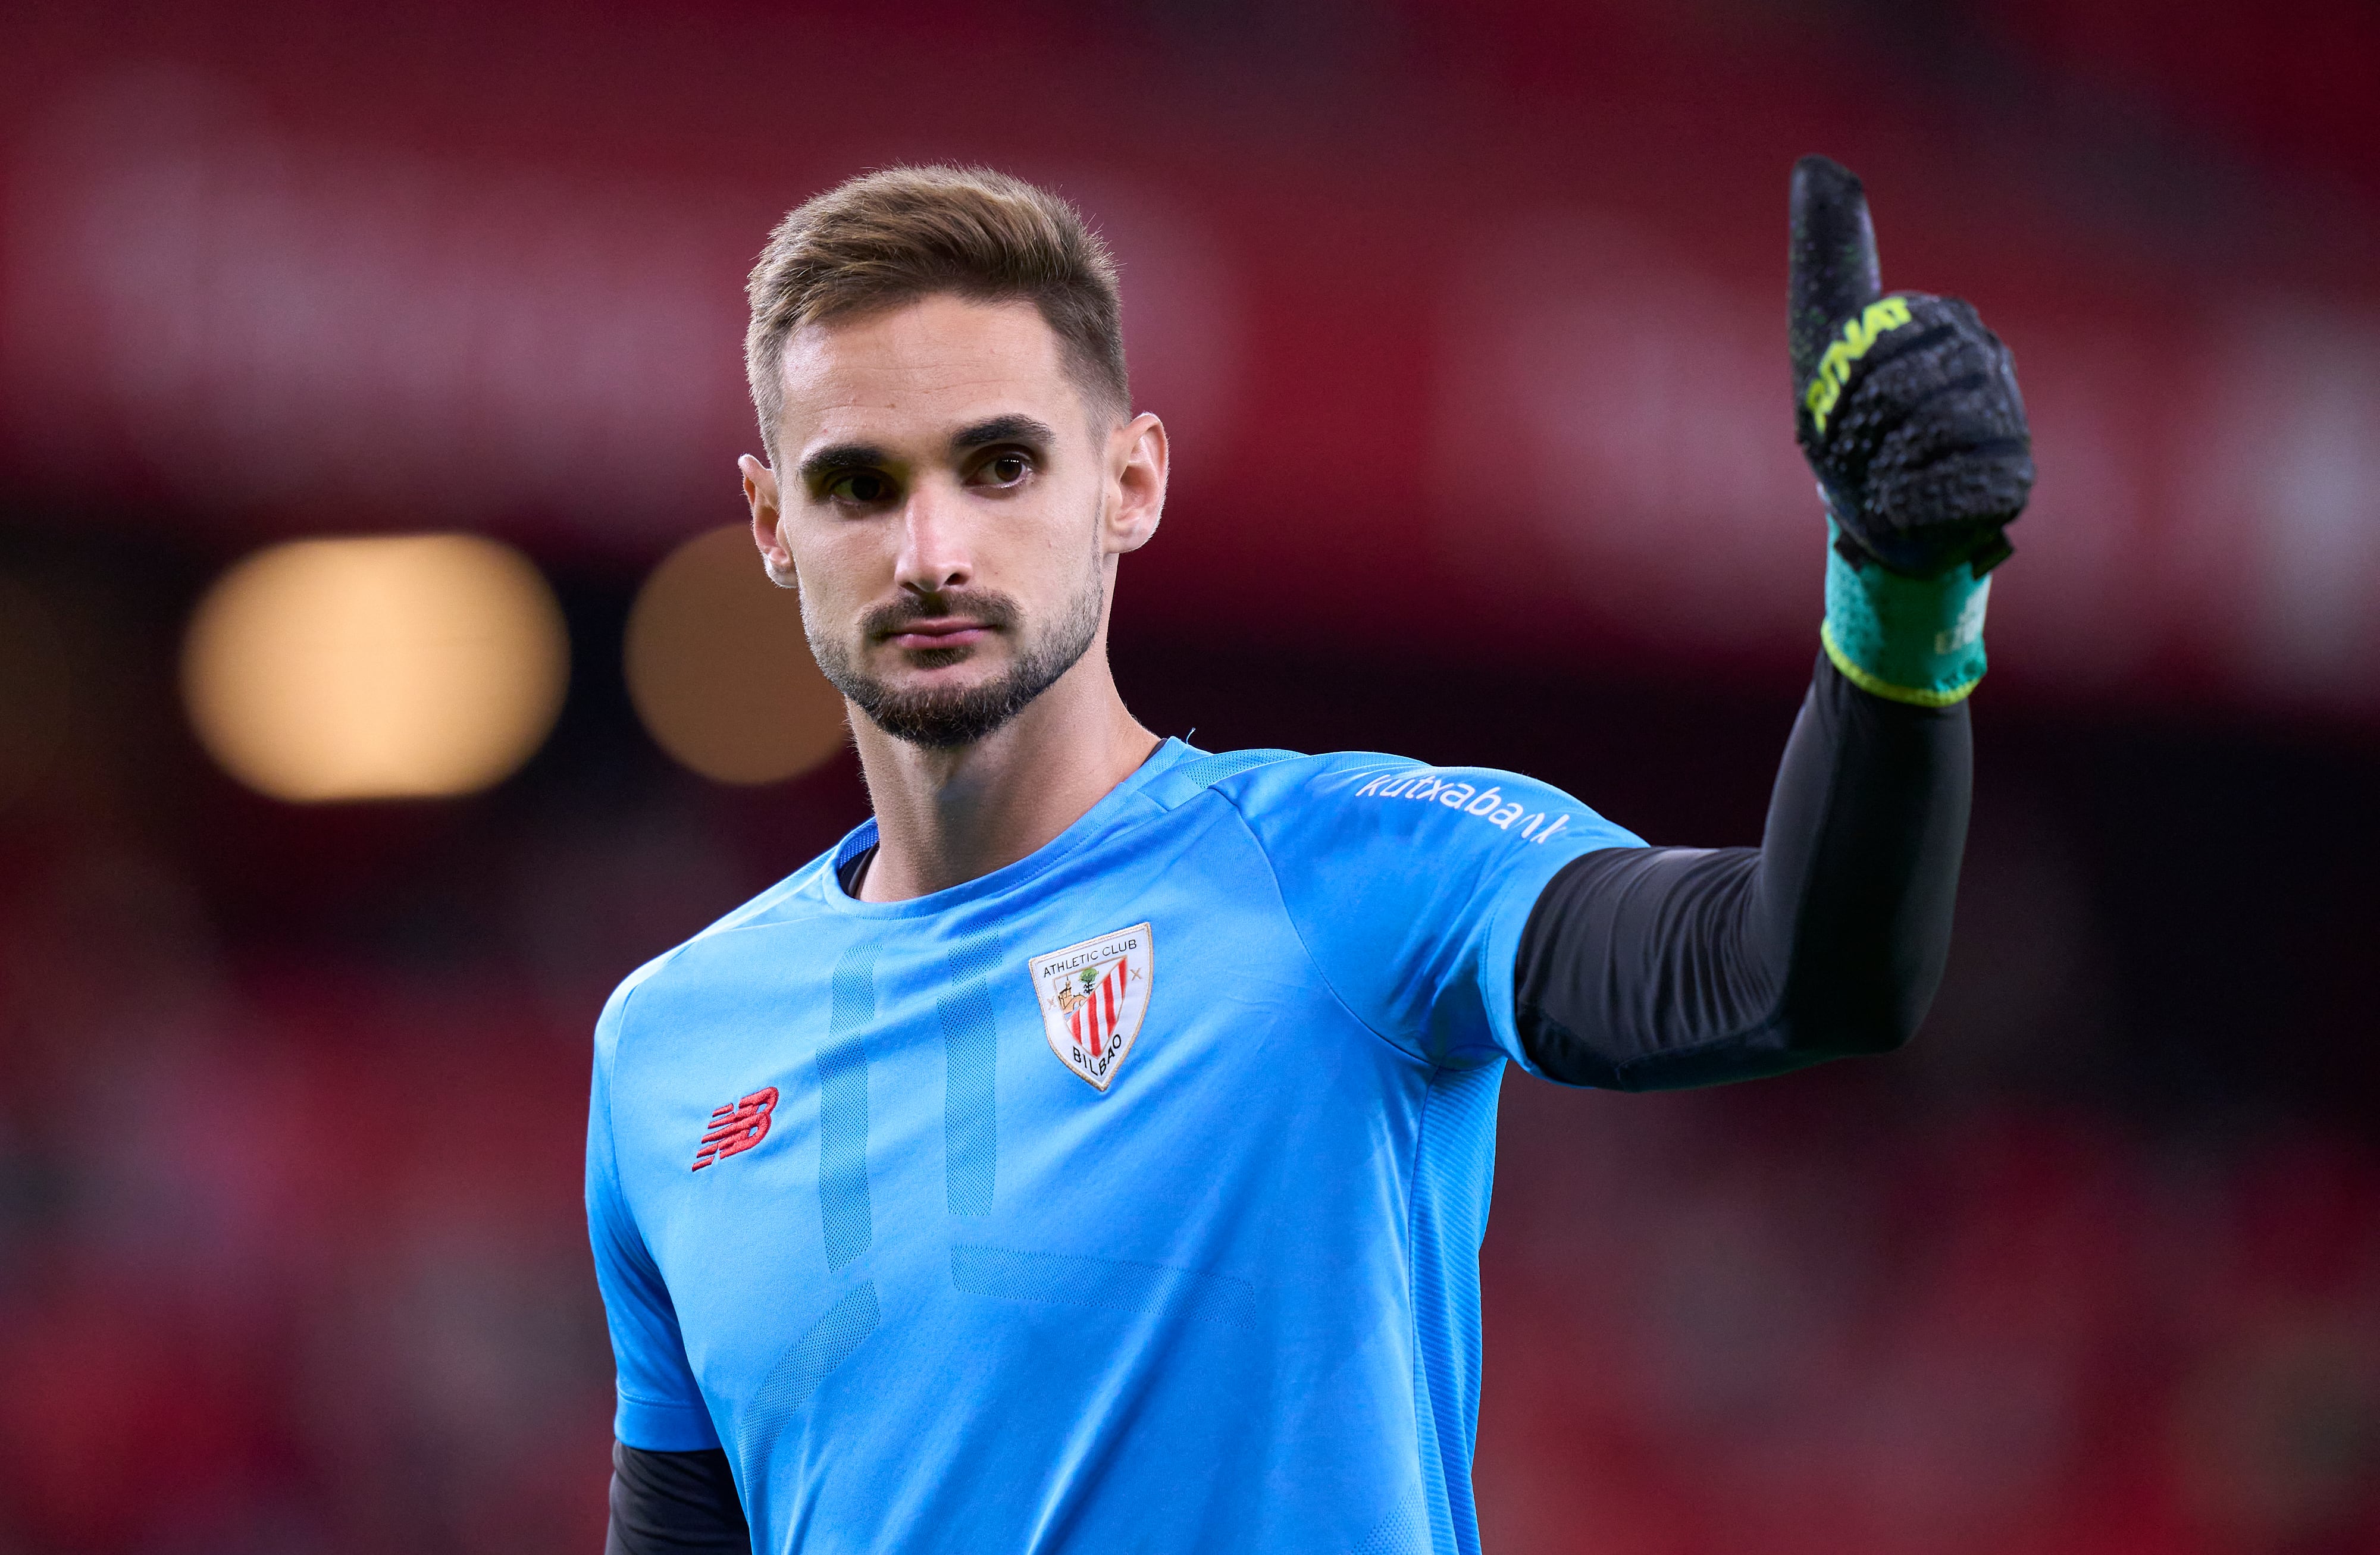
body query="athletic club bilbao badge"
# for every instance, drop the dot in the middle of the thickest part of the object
(1092, 998)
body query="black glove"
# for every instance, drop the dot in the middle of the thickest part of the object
(1907, 405)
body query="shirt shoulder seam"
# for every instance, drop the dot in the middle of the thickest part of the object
(612, 1132)
(1297, 931)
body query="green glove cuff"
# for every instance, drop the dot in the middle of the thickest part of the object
(1911, 640)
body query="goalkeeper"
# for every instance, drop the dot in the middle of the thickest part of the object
(1091, 1152)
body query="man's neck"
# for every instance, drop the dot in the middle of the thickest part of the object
(947, 817)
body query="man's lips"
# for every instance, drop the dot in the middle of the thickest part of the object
(941, 631)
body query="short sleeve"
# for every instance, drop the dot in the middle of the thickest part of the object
(1410, 886)
(660, 1409)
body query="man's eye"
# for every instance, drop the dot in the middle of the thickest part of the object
(866, 487)
(1006, 469)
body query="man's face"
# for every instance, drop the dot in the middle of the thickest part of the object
(951, 509)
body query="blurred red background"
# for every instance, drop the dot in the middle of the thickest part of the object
(1468, 325)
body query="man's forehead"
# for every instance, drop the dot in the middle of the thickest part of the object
(923, 368)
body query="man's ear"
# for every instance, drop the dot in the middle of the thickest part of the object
(761, 495)
(1137, 465)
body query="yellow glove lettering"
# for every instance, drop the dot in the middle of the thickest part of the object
(1860, 333)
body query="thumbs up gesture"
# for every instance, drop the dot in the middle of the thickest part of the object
(1906, 404)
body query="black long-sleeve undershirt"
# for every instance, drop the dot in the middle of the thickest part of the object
(1654, 970)
(674, 1503)
(1659, 968)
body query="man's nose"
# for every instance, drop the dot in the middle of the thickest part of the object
(934, 553)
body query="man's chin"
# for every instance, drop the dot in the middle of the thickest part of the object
(960, 676)
(943, 711)
(941, 721)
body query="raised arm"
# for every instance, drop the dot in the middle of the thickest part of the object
(1654, 969)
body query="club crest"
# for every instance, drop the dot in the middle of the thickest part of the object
(1092, 998)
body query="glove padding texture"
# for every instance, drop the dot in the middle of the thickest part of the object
(1925, 455)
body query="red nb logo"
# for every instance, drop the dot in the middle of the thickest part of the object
(736, 1127)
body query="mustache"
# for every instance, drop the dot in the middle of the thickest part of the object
(993, 609)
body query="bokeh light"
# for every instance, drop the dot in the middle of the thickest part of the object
(400, 667)
(719, 669)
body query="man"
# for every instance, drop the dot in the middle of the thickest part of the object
(1092, 1151)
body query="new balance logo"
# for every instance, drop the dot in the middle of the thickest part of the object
(736, 1127)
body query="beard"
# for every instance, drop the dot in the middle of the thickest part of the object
(945, 719)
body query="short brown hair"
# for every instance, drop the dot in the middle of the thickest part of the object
(890, 237)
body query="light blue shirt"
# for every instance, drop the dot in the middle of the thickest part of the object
(871, 1212)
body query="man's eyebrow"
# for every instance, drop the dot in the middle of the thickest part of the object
(1002, 429)
(838, 456)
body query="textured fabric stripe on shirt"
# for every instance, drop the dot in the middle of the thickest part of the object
(1207, 771)
(1115, 1284)
(1404, 1531)
(825, 1346)
(1452, 1174)
(846, 1215)
(970, 1068)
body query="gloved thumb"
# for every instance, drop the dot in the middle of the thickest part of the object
(1833, 273)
